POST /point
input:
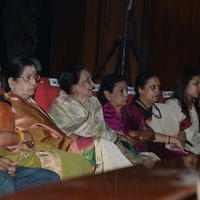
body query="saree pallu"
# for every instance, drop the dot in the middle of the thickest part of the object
(47, 138)
(113, 118)
(189, 125)
(109, 156)
(137, 118)
(86, 120)
(27, 116)
(81, 118)
(114, 121)
(171, 123)
(86, 148)
(66, 165)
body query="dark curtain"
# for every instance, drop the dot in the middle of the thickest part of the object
(173, 37)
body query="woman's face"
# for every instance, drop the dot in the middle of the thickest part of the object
(119, 96)
(151, 91)
(192, 90)
(25, 85)
(83, 88)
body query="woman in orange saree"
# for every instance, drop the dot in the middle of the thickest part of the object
(47, 145)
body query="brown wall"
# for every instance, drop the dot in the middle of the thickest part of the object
(173, 37)
(68, 33)
(88, 33)
(166, 32)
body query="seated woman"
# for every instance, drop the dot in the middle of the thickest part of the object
(139, 114)
(40, 139)
(186, 101)
(76, 111)
(14, 177)
(113, 97)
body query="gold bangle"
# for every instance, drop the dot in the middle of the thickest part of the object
(21, 136)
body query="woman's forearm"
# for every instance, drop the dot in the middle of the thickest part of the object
(167, 139)
(162, 138)
(8, 138)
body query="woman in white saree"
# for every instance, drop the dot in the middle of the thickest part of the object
(185, 101)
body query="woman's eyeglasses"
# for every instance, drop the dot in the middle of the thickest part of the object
(30, 77)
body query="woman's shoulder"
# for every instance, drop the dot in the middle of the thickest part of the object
(4, 101)
(93, 99)
(174, 105)
(63, 97)
(131, 110)
(107, 106)
(173, 102)
(134, 107)
(108, 109)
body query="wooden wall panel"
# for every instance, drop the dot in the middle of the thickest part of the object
(108, 25)
(167, 34)
(92, 31)
(104, 24)
(173, 38)
(68, 33)
(85, 31)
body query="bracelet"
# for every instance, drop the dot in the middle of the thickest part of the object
(21, 136)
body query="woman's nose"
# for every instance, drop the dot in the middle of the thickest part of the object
(125, 93)
(33, 81)
(92, 83)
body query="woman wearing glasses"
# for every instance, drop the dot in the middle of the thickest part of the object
(39, 138)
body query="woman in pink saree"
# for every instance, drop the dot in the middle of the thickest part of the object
(113, 96)
(127, 118)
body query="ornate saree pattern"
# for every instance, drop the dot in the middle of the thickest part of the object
(48, 139)
(86, 120)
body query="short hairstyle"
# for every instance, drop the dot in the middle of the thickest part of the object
(69, 77)
(108, 84)
(142, 79)
(15, 69)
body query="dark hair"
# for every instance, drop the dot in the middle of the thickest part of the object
(69, 77)
(28, 38)
(141, 80)
(179, 93)
(108, 83)
(15, 70)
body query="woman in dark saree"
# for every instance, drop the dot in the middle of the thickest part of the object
(139, 114)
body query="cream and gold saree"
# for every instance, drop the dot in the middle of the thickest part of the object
(86, 120)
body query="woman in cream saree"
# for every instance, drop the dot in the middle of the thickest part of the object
(87, 122)
(76, 111)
